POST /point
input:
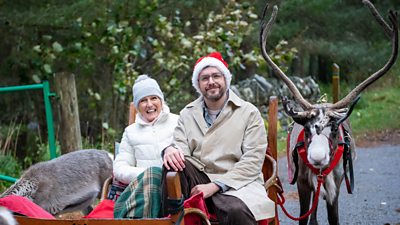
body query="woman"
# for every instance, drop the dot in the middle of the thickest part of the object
(143, 141)
(138, 162)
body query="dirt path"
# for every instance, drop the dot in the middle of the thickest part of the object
(376, 198)
(385, 137)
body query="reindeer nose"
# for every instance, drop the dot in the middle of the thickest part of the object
(318, 151)
(317, 159)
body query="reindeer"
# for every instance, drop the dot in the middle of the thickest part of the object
(323, 126)
(68, 183)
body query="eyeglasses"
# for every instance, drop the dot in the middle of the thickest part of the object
(214, 76)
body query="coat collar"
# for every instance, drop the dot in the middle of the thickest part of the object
(196, 108)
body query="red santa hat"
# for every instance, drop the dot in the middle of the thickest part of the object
(214, 59)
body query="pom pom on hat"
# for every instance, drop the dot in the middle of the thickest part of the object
(145, 86)
(214, 59)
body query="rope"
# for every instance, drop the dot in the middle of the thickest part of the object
(314, 205)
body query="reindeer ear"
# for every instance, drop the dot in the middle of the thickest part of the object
(300, 117)
(350, 110)
(300, 120)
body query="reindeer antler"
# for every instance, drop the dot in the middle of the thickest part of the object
(265, 28)
(388, 30)
(392, 32)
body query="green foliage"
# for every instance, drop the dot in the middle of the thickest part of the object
(378, 107)
(343, 32)
(24, 144)
(144, 41)
(108, 49)
(9, 167)
(283, 55)
(377, 110)
(107, 44)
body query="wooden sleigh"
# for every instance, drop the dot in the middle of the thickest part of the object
(269, 171)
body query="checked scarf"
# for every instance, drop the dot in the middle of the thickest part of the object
(142, 197)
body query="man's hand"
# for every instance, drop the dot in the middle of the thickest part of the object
(208, 189)
(174, 158)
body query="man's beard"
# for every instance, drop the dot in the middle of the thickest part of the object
(214, 97)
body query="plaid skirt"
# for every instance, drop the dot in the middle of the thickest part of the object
(142, 197)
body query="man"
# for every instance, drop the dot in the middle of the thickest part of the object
(219, 145)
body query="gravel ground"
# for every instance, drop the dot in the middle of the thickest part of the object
(376, 197)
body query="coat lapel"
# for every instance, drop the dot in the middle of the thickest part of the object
(197, 110)
(233, 102)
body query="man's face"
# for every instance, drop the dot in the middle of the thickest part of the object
(212, 83)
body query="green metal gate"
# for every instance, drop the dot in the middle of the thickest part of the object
(49, 116)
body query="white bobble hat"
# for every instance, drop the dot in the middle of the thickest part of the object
(145, 86)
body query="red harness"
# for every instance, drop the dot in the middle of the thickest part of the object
(302, 151)
(321, 174)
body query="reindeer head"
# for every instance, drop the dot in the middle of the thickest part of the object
(321, 121)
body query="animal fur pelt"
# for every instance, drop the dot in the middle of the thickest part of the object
(68, 183)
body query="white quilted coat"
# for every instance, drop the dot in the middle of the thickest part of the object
(141, 145)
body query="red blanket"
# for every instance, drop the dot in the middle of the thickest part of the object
(24, 206)
(105, 209)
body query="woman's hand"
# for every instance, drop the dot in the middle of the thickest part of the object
(174, 158)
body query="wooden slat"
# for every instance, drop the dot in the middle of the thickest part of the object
(132, 114)
(174, 191)
(273, 146)
(273, 126)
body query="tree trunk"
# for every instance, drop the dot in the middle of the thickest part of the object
(313, 66)
(323, 69)
(70, 131)
(297, 66)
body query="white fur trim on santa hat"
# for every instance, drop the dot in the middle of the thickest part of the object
(206, 62)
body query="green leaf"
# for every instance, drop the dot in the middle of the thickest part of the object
(36, 78)
(47, 68)
(173, 82)
(37, 48)
(124, 23)
(78, 45)
(97, 96)
(47, 37)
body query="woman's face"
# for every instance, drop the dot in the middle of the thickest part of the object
(150, 107)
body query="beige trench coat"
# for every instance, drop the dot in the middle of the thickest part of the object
(231, 151)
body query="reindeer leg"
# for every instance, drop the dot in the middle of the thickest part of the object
(313, 217)
(304, 197)
(333, 211)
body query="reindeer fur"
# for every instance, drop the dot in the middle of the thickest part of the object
(68, 183)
